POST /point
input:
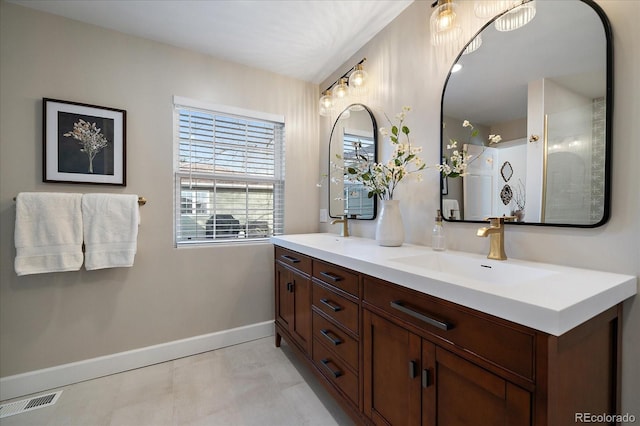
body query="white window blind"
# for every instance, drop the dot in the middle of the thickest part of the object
(229, 174)
(357, 145)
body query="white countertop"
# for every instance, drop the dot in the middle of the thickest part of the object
(554, 302)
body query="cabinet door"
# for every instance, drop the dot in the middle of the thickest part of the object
(293, 305)
(429, 387)
(391, 372)
(466, 394)
(284, 301)
(300, 326)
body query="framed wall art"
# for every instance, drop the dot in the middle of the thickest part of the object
(83, 143)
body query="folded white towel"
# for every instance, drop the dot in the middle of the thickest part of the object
(110, 224)
(48, 233)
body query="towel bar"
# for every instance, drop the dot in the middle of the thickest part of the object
(141, 201)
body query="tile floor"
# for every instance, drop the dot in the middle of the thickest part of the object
(254, 383)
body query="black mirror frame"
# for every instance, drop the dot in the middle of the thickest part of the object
(608, 127)
(375, 155)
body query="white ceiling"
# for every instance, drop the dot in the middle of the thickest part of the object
(304, 39)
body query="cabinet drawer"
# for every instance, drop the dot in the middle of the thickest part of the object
(293, 259)
(336, 276)
(343, 311)
(336, 340)
(334, 369)
(510, 347)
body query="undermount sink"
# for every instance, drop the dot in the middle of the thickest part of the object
(475, 268)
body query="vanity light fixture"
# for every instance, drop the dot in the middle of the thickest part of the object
(358, 78)
(443, 23)
(341, 90)
(521, 14)
(337, 96)
(358, 84)
(326, 103)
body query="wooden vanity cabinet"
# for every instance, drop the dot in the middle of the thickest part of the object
(431, 362)
(411, 376)
(391, 355)
(293, 298)
(409, 380)
(318, 312)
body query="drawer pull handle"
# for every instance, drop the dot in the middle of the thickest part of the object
(335, 373)
(333, 277)
(432, 321)
(290, 259)
(290, 287)
(334, 308)
(335, 341)
(426, 378)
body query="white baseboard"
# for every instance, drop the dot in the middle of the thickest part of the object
(66, 374)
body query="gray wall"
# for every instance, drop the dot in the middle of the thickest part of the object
(405, 70)
(169, 294)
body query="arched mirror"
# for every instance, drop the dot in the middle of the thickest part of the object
(354, 134)
(546, 89)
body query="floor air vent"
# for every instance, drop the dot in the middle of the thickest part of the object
(25, 405)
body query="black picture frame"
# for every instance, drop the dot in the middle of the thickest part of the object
(83, 143)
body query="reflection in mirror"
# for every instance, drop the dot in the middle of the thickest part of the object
(354, 134)
(546, 89)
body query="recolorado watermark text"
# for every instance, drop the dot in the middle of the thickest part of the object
(604, 418)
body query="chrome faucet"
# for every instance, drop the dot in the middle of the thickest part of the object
(495, 232)
(345, 225)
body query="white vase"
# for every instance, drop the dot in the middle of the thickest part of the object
(389, 228)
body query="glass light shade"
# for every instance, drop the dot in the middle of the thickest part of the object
(358, 78)
(326, 104)
(517, 17)
(341, 90)
(474, 45)
(490, 8)
(444, 23)
(358, 85)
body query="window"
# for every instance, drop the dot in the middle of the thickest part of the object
(357, 144)
(229, 173)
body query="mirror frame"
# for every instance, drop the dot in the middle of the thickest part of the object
(375, 155)
(606, 27)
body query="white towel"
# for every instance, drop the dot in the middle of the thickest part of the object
(48, 233)
(110, 224)
(449, 207)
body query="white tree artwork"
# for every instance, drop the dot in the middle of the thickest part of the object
(90, 137)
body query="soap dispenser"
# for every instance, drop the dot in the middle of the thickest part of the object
(438, 242)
